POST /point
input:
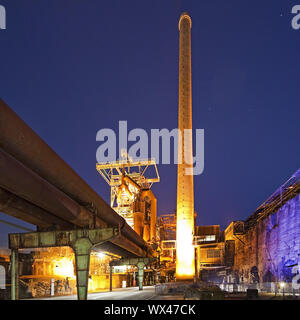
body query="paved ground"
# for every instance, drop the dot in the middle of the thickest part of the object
(149, 294)
(117, 294)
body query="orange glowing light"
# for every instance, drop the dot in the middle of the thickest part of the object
(64, 267)
(185, 261)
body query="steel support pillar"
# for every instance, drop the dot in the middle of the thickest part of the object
(14, 274)
(141, 266)
(82, 249)
(110, 277)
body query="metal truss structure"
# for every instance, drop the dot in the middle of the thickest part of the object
(126, 179)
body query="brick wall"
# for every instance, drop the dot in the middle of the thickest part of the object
(268, 251)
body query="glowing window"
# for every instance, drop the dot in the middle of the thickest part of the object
(208, 238)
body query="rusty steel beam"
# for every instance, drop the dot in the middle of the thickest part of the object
(23, 182)
(124, 243)
(20, 141)
(114, 249)
(132, 261)
(21, 209)
(69, 238)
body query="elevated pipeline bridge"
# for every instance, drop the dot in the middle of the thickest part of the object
(282, 195)
(39, 187)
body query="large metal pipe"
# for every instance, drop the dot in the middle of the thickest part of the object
(20, 141)
(23, 182)
(26, 211)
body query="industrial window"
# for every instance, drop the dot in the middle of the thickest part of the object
(208, 238)
(213, 253)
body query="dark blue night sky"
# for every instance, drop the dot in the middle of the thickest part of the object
(72, 67)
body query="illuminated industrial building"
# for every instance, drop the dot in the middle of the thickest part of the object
(59, 264)
(209, 243)
(259, 252)
(267, 244)
(39, 268)
(131, 196)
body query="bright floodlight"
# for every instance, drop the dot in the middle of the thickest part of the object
(100, 255)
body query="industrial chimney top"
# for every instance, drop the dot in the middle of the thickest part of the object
(184, 15)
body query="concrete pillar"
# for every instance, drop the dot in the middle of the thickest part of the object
(82, 250)
(14, 274)
(141, 266)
